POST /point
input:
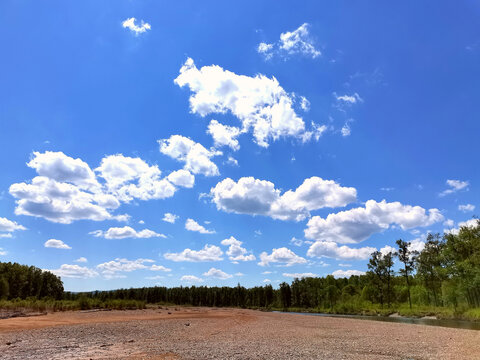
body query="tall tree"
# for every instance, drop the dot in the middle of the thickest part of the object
(407, 257)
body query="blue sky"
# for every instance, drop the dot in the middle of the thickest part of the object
(282, 139)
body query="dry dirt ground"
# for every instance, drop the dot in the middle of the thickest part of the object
(209, 333)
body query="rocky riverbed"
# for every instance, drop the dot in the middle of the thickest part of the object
(210, 333)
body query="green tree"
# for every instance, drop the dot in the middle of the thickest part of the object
(407, 257)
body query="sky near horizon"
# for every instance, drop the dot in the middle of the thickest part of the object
(213, 143)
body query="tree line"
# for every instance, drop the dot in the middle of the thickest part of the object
(446, 273)
(22, 281)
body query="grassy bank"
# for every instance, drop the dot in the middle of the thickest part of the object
(50, 305)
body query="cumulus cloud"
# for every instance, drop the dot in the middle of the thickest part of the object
(126, 232)
(260, 103)
(59, 202)
(111, 269)
(191, 279)
(466, 207)
(74, 271)
(3, 252)
(192, 225)
(130, 178)
(224, 135)
(299, 275)
(454, 186)
(291, 43)
(330, 249)
(170, 218)
(208, 253)
(347, 273)
(358, 224)
(259, 197)
(57, 244)
(281, 256)
(218, 274)
(7, 227)
(236, 252)
(81, 260)
(137, 29)
(67, 189)
(469, 224)
(182, 178)
(159, 268)
(266, 50)
(62, 168)
(194, 155)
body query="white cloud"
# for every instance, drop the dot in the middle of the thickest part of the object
(304, 103)
(331, 250)
(454, 186)
(469, 224)
(346, 131)
(260, 103)
(347, 273)
(62, 168)
(218, 274)
(266, 50)
(348, 99)
(191, 279)
(195, 156)
(259, 197)
(170, 218)
(449, 223)
(299, 275)
(74, 271)
(126, 232)
(466, 207)
(387, 249)
(3, 252)
(417, 245)
(130, 24)
(235, 251)
(291, 43)
(192, 225)
(67, 190)
(182, 178)
(130, 178)
(358, 224)
(111, 269)
(224, 135)
(282, 256)
(57, 244)
(266, 281)
(159, 268)
(298, 42)
(232, 161)
(81, 260)
(266, 272)
(239, 274)
(208, 253)
(58, 202)
(7, 227)
(296, 242)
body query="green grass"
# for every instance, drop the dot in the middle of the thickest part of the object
(51, 305)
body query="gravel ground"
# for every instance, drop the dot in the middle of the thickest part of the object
(200, 333)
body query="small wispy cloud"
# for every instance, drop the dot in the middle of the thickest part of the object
(130, 24)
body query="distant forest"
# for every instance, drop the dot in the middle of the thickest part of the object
(445, 274)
